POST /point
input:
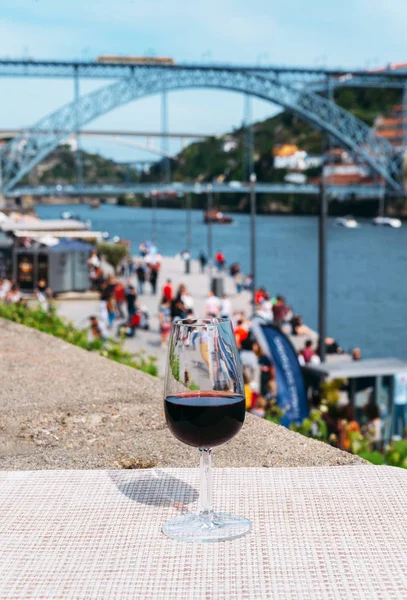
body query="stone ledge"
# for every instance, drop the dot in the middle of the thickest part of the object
(65, 408)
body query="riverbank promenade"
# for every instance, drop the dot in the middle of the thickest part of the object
(79, 310)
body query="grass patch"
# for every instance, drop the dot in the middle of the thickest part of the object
(52, 324)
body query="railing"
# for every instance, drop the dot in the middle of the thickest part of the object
(337, 191)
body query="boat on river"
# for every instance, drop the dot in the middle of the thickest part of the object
(66, 215)
(387, 222)
(215, 216)
(348, 222)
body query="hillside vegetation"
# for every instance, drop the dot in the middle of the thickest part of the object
(206, 160)
(60, 167)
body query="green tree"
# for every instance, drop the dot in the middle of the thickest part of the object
(114, 253)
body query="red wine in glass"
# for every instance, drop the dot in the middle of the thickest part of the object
(206, 419)
(204, 407)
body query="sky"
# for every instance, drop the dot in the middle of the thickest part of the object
(346, 33)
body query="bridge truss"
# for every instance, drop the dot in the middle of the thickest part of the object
(339, 192)
(291, 75)
(26, 150)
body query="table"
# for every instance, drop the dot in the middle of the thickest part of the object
(318, 533)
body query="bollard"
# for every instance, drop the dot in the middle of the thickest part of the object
(217, 286)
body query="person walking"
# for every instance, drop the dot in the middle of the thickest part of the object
(153, 280)
(122, 268)
(220, 260)
(212, 305)
(111, 313)
(202, 261)
(14, 295)
(141, 277)
(374, 423)
(44, 294)
(185, 297)
(97, 329)
(130, 266)
(238, 277)
(164, 316)
(280, 311)
(186, 256)
(167, 290)
(178, 310)
(307, 352)
(266, 370)
(131, 298)
(225, 307)
(259, 295)
(120, 298)
(103, 312)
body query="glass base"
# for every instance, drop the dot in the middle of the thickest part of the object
(212, 527)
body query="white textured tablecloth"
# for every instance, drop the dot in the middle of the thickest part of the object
(318, 533)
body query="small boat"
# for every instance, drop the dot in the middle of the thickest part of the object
(95, 203)
(387, 222)
(214, 216)
(348, 222)
(68, 215)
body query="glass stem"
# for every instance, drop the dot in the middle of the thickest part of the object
(205, 499)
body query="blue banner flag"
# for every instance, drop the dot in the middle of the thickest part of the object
(291, 395)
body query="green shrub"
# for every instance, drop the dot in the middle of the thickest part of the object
(49, 322)
(147, 364)
(312, 426)
(376, 458)
(273, 412)
(396, 454)
(114, 253)
(330, 392)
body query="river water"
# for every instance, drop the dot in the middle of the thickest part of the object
(367, 267)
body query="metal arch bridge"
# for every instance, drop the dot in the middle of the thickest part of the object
(22, 153)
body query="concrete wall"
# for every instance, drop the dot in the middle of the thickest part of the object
(64, 407)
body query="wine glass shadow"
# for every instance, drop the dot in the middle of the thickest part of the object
(154, 488)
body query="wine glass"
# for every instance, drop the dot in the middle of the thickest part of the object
(204, 407)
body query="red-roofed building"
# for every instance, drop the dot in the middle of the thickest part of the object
(394, 127)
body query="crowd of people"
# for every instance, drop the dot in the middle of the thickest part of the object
(122, 312)
(259, 372)
(10, 293)
(342, 423)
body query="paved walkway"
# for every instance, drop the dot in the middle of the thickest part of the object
(78, 311)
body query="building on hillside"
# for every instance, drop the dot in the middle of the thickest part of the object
(229, 144)
(393, 127)
(341, 169)
(289, 156)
